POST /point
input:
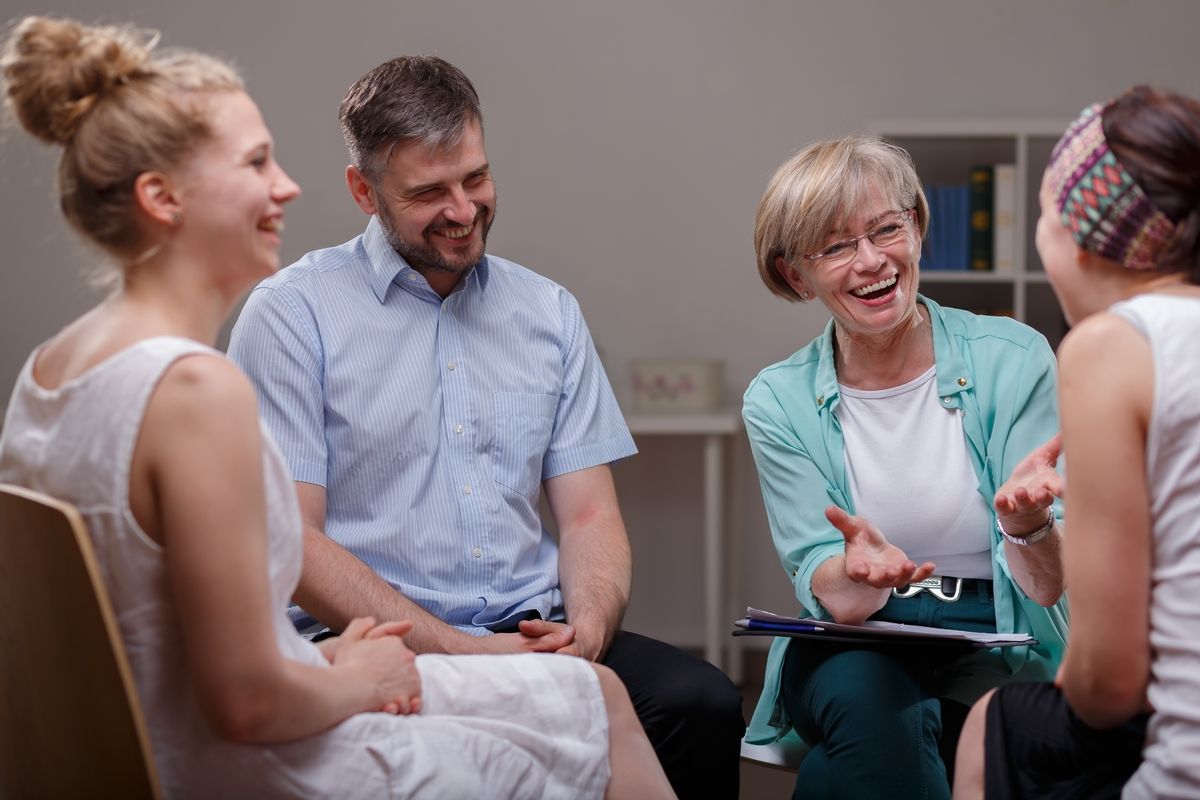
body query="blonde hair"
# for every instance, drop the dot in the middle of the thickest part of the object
(115, 108)
(818, 188)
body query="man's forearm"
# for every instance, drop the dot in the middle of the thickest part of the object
(335, 587)
(595, 570)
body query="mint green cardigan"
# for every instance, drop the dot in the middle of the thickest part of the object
(1001, 373)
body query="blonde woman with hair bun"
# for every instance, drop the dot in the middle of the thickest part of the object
(131, 415)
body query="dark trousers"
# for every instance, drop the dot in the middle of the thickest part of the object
(691, 712)
(873, 714)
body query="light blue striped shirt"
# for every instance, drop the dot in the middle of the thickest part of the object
(431, 423)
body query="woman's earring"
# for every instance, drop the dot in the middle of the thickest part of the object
(805, 296)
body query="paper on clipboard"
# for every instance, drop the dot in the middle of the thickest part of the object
(764, 623)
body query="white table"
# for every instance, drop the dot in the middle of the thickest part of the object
(716, 428)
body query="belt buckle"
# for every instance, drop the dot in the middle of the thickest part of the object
(936, 585)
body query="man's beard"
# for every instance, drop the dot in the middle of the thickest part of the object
(422, 255)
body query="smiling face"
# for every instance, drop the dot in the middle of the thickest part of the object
(233, 192)
(436, 206)
(875, 292)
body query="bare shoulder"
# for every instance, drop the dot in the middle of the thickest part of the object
(1106, 368)
(204, 393)
(1102, 342)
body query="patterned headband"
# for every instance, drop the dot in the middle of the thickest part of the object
(1101, 205)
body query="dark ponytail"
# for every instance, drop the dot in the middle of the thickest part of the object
(1155, 134)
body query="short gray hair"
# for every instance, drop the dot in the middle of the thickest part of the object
(408, 99)
(818, 188)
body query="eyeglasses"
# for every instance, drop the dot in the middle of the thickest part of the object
(885, 233)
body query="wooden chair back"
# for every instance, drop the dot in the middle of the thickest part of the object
(70, 721)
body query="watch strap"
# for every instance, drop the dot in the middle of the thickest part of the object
(1033, 537)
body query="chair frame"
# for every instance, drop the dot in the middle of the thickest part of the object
(784, 754)
(71, 723)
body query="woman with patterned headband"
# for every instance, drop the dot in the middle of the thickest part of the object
(1120, 239)
(889, 450)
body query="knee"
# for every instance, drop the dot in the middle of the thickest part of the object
(676, 692)
(707, 699)
(969, 760)
(610, 685)
(863, 691)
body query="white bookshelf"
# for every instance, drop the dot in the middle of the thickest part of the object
(944, 151)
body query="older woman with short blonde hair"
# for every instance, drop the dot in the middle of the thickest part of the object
(882, 447)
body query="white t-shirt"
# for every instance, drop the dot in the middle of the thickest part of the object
(910, 474)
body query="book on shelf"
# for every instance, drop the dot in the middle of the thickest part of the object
(764, 623)
(947, 244)
(1004, 214)
(979, 181)
(972, 226)
(929, 243)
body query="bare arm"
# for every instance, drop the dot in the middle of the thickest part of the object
(854, 586)
(1022, 505)
(595, 564)
(1106, 371)
(335, 587)
(199, 457)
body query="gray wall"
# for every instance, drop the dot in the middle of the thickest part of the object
(630, 141)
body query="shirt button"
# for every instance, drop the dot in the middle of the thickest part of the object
(451, 365)
(477, 552)
(458, 429)
(946, 400)
(962, 381)
(466, 489)
(820, 399)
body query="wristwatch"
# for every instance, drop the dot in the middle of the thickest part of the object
(1033, 537)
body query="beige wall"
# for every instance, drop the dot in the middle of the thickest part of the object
(631, 140)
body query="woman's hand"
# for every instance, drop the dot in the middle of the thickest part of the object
(855, 585)
(380, 657)
(1022, 501)
(870, 558)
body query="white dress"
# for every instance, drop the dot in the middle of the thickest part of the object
(1171, 765)
(521, 726)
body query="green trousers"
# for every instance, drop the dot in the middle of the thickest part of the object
(876, 716)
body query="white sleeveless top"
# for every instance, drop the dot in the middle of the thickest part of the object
(1171, 324)
(503, 718)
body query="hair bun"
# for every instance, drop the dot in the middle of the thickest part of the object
(55, 71)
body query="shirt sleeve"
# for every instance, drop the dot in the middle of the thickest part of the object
(1027, 418)
(276, 345)
(1032, 411)
(795, 493)
(589, 428)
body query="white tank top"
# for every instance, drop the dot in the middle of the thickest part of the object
(1171, 325)
(492, 726)
(910, 473)
(76, 443)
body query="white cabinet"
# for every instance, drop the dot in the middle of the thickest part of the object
(944, 152)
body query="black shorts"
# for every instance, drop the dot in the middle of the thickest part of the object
(1035, 746)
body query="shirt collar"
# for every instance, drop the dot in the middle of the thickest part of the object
(952, 375)
(388, 267)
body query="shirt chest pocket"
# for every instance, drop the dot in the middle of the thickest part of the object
(523, 424)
